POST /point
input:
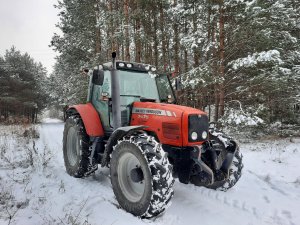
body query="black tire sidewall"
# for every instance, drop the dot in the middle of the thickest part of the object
(140, 207)
(72, 170)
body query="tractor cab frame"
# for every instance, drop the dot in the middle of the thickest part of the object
(137, 83)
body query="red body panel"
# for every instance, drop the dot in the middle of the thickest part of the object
(154, 115)
(91, 120)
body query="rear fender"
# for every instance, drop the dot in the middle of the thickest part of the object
(113, 140)
(90, 118)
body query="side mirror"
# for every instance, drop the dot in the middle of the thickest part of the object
(98, 77)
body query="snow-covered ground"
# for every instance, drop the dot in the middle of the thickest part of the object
(35, 188)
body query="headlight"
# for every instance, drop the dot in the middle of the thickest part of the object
(204, 135)
(194, 136)
(121, 64)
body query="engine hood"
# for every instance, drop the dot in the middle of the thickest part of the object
(169, 122)
(166, 109)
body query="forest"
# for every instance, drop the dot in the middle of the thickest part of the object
(227, 54)
(24, 87)
(234, 59)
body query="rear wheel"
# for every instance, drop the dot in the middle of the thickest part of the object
(76, 148)
(141, 176)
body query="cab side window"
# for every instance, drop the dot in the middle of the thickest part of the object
(106, 84)
(100, 105)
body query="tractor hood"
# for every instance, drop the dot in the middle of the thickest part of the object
(165, 109)
(173, 124)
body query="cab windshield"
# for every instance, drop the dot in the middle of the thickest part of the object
(140, 85)
(136, 85)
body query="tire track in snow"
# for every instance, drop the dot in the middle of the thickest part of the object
(210, 204)
(52, 134)
(266, 180)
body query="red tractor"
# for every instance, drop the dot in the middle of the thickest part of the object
(132, 125)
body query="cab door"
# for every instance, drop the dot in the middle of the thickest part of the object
(100, 100)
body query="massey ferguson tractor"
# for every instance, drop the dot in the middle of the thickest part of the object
(132, 125)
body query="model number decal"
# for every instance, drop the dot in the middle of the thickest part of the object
(157, 112)
(145, 117)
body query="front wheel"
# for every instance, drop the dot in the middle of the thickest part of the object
(224, 178)
(235, 169)
(141, 176)
(235, 172)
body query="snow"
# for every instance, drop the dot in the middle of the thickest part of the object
(254, 59)
(51, 120)
(239, 117)
(43, 193)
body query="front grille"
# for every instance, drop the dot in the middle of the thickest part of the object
(125, 117)
(198, 124)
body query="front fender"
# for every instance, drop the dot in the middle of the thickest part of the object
(90, 118)
(113, 140)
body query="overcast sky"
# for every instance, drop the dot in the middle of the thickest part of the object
(29, 25)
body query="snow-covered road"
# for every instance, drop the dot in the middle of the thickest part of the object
(267, 193)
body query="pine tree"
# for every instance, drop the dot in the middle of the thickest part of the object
(223, 51)
(21, 80)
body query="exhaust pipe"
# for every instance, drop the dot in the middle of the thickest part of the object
(115, 94)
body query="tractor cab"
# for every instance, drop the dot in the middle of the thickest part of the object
(137, 83)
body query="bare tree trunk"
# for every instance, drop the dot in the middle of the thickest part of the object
(98, 41)
(186, 67)
(137, 32)
(176, 44)
(155, 37)
(111, 26)
(215, 72)
(97, 31)
(163, 38)
(137, 41)
(208, 23)
(127, 54)
(196, 50)
(222, 58)
(150, 57)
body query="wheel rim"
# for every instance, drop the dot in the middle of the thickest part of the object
(133, 191)
(72, 146)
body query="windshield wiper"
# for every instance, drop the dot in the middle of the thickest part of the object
(136, 96)
(143, 99)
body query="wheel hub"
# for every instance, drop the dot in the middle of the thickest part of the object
(72, 146)
(136, 175)
(131, 177)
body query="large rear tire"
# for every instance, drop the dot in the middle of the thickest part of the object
(141, 176)
(76, 148)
